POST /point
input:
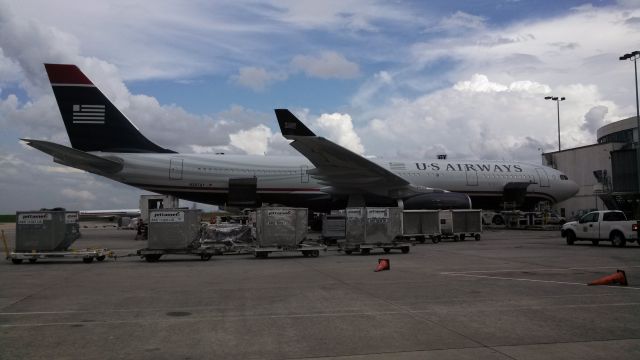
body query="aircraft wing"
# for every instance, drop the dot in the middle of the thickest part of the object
(334, 165)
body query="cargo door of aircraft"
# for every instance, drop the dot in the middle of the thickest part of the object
(472, 178)
(304, 175)
(544, 178)
(175, 169)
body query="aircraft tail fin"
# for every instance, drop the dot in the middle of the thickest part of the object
(290, 125)
(93, 123)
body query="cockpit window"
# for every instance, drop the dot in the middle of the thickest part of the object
(564, 177)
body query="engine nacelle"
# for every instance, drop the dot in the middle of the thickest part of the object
(438, 200)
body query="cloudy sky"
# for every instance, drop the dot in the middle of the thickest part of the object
(392, 79)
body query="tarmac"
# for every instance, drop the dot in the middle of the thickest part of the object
(512, 295)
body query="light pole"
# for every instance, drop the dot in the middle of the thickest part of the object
(634, 57)
(557, 100)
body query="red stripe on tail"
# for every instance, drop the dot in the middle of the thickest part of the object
(66, 74)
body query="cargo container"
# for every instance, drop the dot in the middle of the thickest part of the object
(281, 229)
(374, 227)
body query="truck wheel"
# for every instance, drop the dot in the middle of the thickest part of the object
(595, 242)
(618, 240)
(571, 238)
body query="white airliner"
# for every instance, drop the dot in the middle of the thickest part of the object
(327, 176)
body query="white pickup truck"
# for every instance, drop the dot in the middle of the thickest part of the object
(596, 226)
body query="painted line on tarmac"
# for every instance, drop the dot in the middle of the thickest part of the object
(545, 269)
(535, 280)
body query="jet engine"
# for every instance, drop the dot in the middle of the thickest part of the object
(438, 200)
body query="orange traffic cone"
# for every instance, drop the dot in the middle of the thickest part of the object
(383, 264)
(619, 277)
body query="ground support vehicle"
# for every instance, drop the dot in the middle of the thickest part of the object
(421, 224)
(374, 228)
(460, 224)
(604, 225)
(87, 255)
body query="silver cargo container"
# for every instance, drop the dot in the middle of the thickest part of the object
(45, 230)
(355, 226)
(280, 226)
(466, 221)
(373, 225)
(333, 226)
(174, 228)
(420, 222)
(383, 225)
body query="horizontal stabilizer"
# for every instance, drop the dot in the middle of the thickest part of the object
(76, 158)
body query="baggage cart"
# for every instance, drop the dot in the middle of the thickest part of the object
(374, 228)
(420, 224)
(280, 229)
(458, 224)
(87, 255)
(174, 232)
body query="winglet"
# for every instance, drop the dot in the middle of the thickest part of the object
(290, 125)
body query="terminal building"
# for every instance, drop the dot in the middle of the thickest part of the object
(606, 172)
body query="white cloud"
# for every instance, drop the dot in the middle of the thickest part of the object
(459, 22)
(256, 78)
(481, 83)
(253, 141)
(82, 195)
(340, 129)
(326, 65)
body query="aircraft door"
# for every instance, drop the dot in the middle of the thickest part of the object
(175, 169)
(304, 175)
(472, 178)
(544, 178)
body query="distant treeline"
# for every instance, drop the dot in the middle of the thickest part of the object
(8, 218)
